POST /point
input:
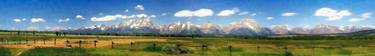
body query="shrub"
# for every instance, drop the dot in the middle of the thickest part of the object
(5, 52)
(176, 50)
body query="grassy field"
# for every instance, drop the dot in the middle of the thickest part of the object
(16, 45)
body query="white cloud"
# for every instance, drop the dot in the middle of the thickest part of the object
(288, 14)
(100, 13)
(364, 16)
(121, 16)
(228, 12)
(141, 15)
(163, 14)
(17, 20)
(199, 13)
(356, 19)
(37, 20)
(243, 13)
(127, 10)
(332, 14)
(145, 16)
(153, 16)
(131, 16)
(105, 18)
(184, 13)
(253, 14)
(139, 7)
(269, 18)
(64, 20)
(80, 17)
(203, 12)
(118, 16)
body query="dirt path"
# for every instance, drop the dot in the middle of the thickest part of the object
(23, 50)
(87, 43)
(60, 43)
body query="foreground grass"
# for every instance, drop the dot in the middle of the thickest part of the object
(5, 52)
(216, 47)
(9, 51)
(56, 52)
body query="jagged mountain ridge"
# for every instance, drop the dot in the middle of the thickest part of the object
(242, 27)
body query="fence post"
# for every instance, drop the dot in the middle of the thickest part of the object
(113, 43)
(44, 41)
(68, 44)
(203, 47)
(258, 49)
(153, 46)
(2, 40)
(230, 50)
(27, 41)
(178, 46)
(313, 51)
(95, 41)
(18, 32)
(19, 41)
(6, 41)
(286, 51)
(54, 41)
(131, 44)
(80, 43)
(34, 41)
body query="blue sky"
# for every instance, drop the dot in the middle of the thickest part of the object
(19, 14)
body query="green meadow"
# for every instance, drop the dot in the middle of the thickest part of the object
(184, 46)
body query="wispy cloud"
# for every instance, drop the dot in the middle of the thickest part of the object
(228, 12)
(243, 13)
(364, 16)
(80, 17)
(288, 14)
(63, 20)
(118, 16)
(139, 7)
(105, 18)
(37, 20)
(163, 14)
(269, 18)
(332, 14)
(199, 13)
(17, 20)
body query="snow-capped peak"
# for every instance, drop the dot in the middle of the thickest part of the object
(280, 29)
(244, 23)
(141, 22)
(352, 28)
(211, 28)
(180, 28)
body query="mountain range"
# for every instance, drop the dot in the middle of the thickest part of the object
(242, 27)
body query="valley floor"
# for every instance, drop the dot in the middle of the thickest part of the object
(44, 45)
